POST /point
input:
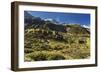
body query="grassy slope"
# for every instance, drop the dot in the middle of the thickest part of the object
(70, 47)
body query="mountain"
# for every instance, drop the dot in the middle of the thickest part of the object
(48, 25)
(27, 15)
(77, 29)
(51, 24)
(86, 27)
(52, 20)
(27, 18)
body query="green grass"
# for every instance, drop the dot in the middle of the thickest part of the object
(70, 47)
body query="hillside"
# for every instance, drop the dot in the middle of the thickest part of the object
(45, 37)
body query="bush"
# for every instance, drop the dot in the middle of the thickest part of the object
(37, 56)
(27, 59)
(59, 47)
(46, 47)
(81, 56)
(28, 50)
(84, 55)
(71, 40)
(44, 55)
(56, 57)
(28, 45)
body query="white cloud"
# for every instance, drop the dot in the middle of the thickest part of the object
(48, 19)
(85, 26)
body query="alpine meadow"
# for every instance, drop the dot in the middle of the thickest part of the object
(56, 36)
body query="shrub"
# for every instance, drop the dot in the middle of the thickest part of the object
(44, 55)
(28, 50)
(80, 55)
(37, 56)
(45, 47)
(27, 59)
(56, 57)
(84, 55)
(59, 47)
(71, 40)
(81, 41)
(28, 45)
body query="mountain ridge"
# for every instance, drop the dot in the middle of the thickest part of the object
(36, 22)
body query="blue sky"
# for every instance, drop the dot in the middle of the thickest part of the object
(80, 18)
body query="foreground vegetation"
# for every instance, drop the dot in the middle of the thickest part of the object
(50, 45)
